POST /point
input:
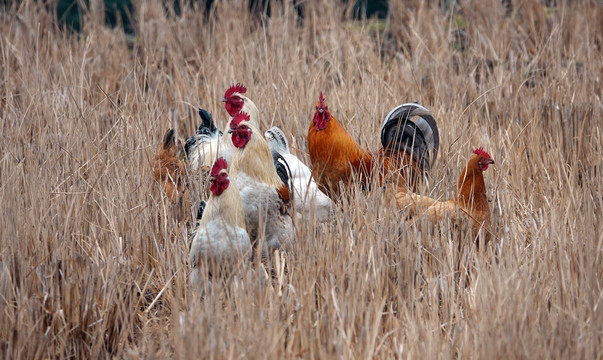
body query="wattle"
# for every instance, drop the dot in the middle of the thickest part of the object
(233, 108)
(218, 187)
(239, 140)
(320, 123)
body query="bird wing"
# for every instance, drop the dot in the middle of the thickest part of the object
(416, 204)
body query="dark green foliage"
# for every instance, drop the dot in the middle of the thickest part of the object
(117, 12)
(68, 14)
(372, 8)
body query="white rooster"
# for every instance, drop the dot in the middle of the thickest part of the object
(266, 197)
(221, 238)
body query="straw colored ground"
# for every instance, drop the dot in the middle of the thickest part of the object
(94, 266)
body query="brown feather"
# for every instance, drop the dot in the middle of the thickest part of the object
(471, 200)
(168, 169)
(337, 157)
(472, 195)
(170, 172)
(285, 195)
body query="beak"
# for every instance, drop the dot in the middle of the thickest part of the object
(229, 131)
(321, 110)
(490, 161)
(224, 100)
(212, 178)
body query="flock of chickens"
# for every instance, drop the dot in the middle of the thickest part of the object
(257, 185)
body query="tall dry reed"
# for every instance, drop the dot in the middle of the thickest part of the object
(93, 264)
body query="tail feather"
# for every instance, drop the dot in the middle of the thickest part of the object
(202, 205)
(205, 132)
(411, 127)
(282, 169)
(200, 211)
(169, 139)
(208, 126)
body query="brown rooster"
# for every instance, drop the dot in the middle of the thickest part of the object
(409, 148)
(471, 198)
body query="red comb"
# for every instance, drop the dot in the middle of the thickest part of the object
(238, 118)
(219, 165)
(238, 88)
(321, 100)
(482, 152)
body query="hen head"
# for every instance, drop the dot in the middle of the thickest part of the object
(483, 159)
(233, 102)
(219, 177)
(240, 130)
(322, 115)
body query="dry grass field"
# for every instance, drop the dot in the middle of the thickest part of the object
(93, 264)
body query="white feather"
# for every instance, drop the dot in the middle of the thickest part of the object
(221, 242)
(221, 237)
(262, 204)
(209, 147)
(306, 195)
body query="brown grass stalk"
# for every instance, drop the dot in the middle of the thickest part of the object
(93, 263)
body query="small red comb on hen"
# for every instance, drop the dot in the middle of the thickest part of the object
(238, 88)
(219, 165)
(482, 152)
(238, 118)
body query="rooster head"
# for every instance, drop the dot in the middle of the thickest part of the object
(219, 177)
(322, 115)
(233, 102)
(483, 159)
(240, 130)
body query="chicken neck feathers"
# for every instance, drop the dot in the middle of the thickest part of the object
(256, 161)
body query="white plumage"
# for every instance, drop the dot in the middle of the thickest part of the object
(221, 239)
(307, 196)
(208, 143)
(262, 207)
(265, 197)
(206, 148)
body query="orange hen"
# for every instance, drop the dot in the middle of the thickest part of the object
(470, 199)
